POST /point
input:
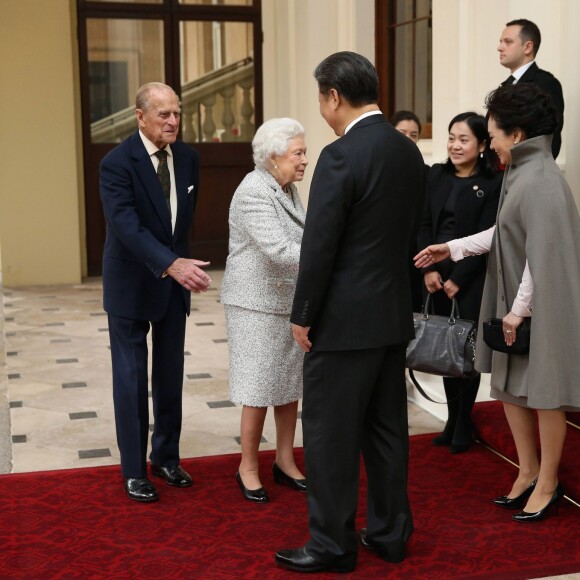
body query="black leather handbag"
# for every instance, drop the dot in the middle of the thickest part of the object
(494, 338)
(443, 345)
(493, 327)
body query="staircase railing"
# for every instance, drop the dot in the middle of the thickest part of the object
(216, 107)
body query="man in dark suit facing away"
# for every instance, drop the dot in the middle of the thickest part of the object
(518, 46)
(352, 316)
(148, 189)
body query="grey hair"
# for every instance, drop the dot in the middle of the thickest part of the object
(273, 137)
(143, 98)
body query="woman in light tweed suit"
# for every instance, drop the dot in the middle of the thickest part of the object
(266, 222)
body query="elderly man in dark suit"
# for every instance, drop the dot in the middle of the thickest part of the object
(518, 46)
(148, 190)
(352, 316)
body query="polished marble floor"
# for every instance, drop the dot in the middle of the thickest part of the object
(56, 407)
(58, 381)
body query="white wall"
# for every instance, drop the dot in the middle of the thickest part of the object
(298, 34)
(466, 65)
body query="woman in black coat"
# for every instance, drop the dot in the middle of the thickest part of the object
(462, 199)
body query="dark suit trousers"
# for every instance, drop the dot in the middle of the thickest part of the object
(129, 353)
(356, 401)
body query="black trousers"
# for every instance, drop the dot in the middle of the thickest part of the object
(356, 401)
(129, 355)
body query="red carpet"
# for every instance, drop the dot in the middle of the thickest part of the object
(79, 524)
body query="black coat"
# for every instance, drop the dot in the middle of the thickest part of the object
(475, 211)
(550, 85)
(353, 286)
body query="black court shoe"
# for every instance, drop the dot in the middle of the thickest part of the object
(524, 516)
(516, 503)
(282, 479)
(259, 495)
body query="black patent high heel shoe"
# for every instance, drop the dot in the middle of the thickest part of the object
(524, 516)
(516, 503)
(257, 495)
(282, 479)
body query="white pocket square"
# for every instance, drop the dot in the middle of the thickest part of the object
(190, 189)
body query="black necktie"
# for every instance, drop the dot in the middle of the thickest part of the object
(163, 175)
(509, 81)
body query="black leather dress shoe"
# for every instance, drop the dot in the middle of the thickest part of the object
(140, 489)
(441, 440)
(299, 560)
(173, 475)
(282, 479)
(259, 495)
(394, 556)
(459, 447)
(516, 503)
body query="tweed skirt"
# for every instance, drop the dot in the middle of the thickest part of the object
(265, 361)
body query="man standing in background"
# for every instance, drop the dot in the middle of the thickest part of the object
(518, 46)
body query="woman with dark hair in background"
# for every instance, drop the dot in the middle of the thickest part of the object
(408, 123)
(462, 199)
(534, 271)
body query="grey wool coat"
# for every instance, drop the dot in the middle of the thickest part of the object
(266, 225)
(537, 220)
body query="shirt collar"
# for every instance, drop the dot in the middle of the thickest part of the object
(519, 73)
(363, 116)
(151, 147)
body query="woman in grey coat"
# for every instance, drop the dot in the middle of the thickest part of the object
(266, 222)
(533, 272)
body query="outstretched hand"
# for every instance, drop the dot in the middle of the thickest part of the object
(431, 255)
(189, 274)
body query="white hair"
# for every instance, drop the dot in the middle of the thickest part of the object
(274, 137)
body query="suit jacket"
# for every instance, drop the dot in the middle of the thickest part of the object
(265, 233)
(140, 245)
(353, 285)
(550, 85)
(475, 211)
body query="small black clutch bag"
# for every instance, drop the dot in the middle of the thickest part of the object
(494, 338)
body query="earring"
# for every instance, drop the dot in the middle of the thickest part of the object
(516, 141)
(275, 167)
(481, 154)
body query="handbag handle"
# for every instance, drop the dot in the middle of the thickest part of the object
(454, 310)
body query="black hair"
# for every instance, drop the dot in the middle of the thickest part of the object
(529, 31)
(405, 116)
(486, 164)
(522, 106)
(351, 75)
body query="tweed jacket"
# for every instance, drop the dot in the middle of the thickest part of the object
(538, 221)
(266, 225)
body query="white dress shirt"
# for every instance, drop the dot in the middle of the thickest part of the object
(152, 149)
(360, 118)
(519, 72)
